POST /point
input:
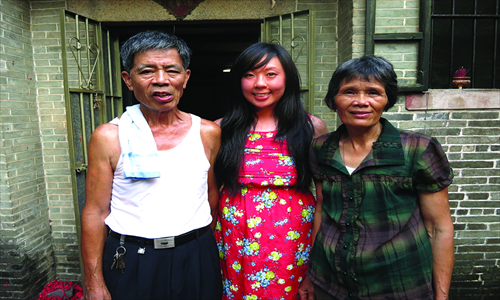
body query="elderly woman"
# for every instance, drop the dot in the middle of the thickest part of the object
(385, 230)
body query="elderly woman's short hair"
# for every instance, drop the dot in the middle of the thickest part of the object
(153, 40)
(369, 68)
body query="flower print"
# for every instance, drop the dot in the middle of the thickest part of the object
(281, 281)
(282, 222)
(278, 181)
(244, 190)
(254, 246)
(267, 197)
(263, 277)
(250, 297)
(302, 254)
(307, 214)
(230, 214)
(289, 267)
(275, 255)
(248, 247)
(236, 266)
(269, 135)
(269, 275)
(253, 162)
(292, 235)
(258, 235)
(221, 250)
(300, 202)
(254, 136)
(252, 150)
(254, 222)
(284, 160)
(255, 285)
(300, 279)
(260, 207)
(229, 288)
(288, 288)
(282, 201)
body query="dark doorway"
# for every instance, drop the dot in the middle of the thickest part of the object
(215, 46)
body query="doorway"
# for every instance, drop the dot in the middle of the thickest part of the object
(215, 46)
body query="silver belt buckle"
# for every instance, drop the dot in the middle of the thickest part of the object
(164, 243)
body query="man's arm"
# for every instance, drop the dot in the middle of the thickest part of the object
(102, 156)
(210, 136)
(436, 213)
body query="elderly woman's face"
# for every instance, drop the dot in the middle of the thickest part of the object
(360, 103)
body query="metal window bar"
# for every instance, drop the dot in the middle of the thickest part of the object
(110, 80)
(475, 16)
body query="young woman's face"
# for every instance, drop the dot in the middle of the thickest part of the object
(360, 103)
(264, 86)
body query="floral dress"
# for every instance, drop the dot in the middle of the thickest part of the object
(264, 232)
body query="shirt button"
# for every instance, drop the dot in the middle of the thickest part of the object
(347, 224)
(345, 273)
(345, 246)
(351, 198)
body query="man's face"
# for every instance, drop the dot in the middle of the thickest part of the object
(157, 79)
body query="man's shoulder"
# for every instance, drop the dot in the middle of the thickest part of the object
(106, 136)
(106, 130)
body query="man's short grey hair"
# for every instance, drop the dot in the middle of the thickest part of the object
(149, 40)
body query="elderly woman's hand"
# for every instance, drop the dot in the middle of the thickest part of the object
(306, 289)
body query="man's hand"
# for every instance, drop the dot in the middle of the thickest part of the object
(99, 292)
(306, 289)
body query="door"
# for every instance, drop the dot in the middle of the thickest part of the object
(93, 92)
(295, 32)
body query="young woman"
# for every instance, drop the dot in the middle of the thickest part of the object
(266, 208)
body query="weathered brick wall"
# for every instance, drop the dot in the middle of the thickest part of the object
(326, 53)
(346, 30)
(46, 31)
(399, 17)
(471, 140)
(26, 261)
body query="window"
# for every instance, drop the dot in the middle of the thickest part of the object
(451, 34)
(465, 33)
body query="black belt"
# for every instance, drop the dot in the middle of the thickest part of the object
(162, 243)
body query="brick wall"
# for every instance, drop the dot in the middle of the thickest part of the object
(25, 242)
(471, 140)
(47, 53)
(326, 53)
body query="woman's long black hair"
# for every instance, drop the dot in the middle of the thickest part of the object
(294, 124)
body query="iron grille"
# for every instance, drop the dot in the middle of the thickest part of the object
(465, 34)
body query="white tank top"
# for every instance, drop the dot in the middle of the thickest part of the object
(174, 203)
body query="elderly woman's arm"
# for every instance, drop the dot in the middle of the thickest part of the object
(436, 213)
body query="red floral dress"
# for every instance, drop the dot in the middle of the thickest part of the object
(264, 232)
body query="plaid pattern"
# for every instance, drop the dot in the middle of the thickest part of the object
(372, 243)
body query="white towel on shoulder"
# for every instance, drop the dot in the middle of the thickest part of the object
(139, 151)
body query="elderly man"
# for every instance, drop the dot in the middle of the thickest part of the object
(151, 193)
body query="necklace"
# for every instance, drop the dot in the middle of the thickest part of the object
(343, 153)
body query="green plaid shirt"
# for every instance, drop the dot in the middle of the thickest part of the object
(372, 243)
